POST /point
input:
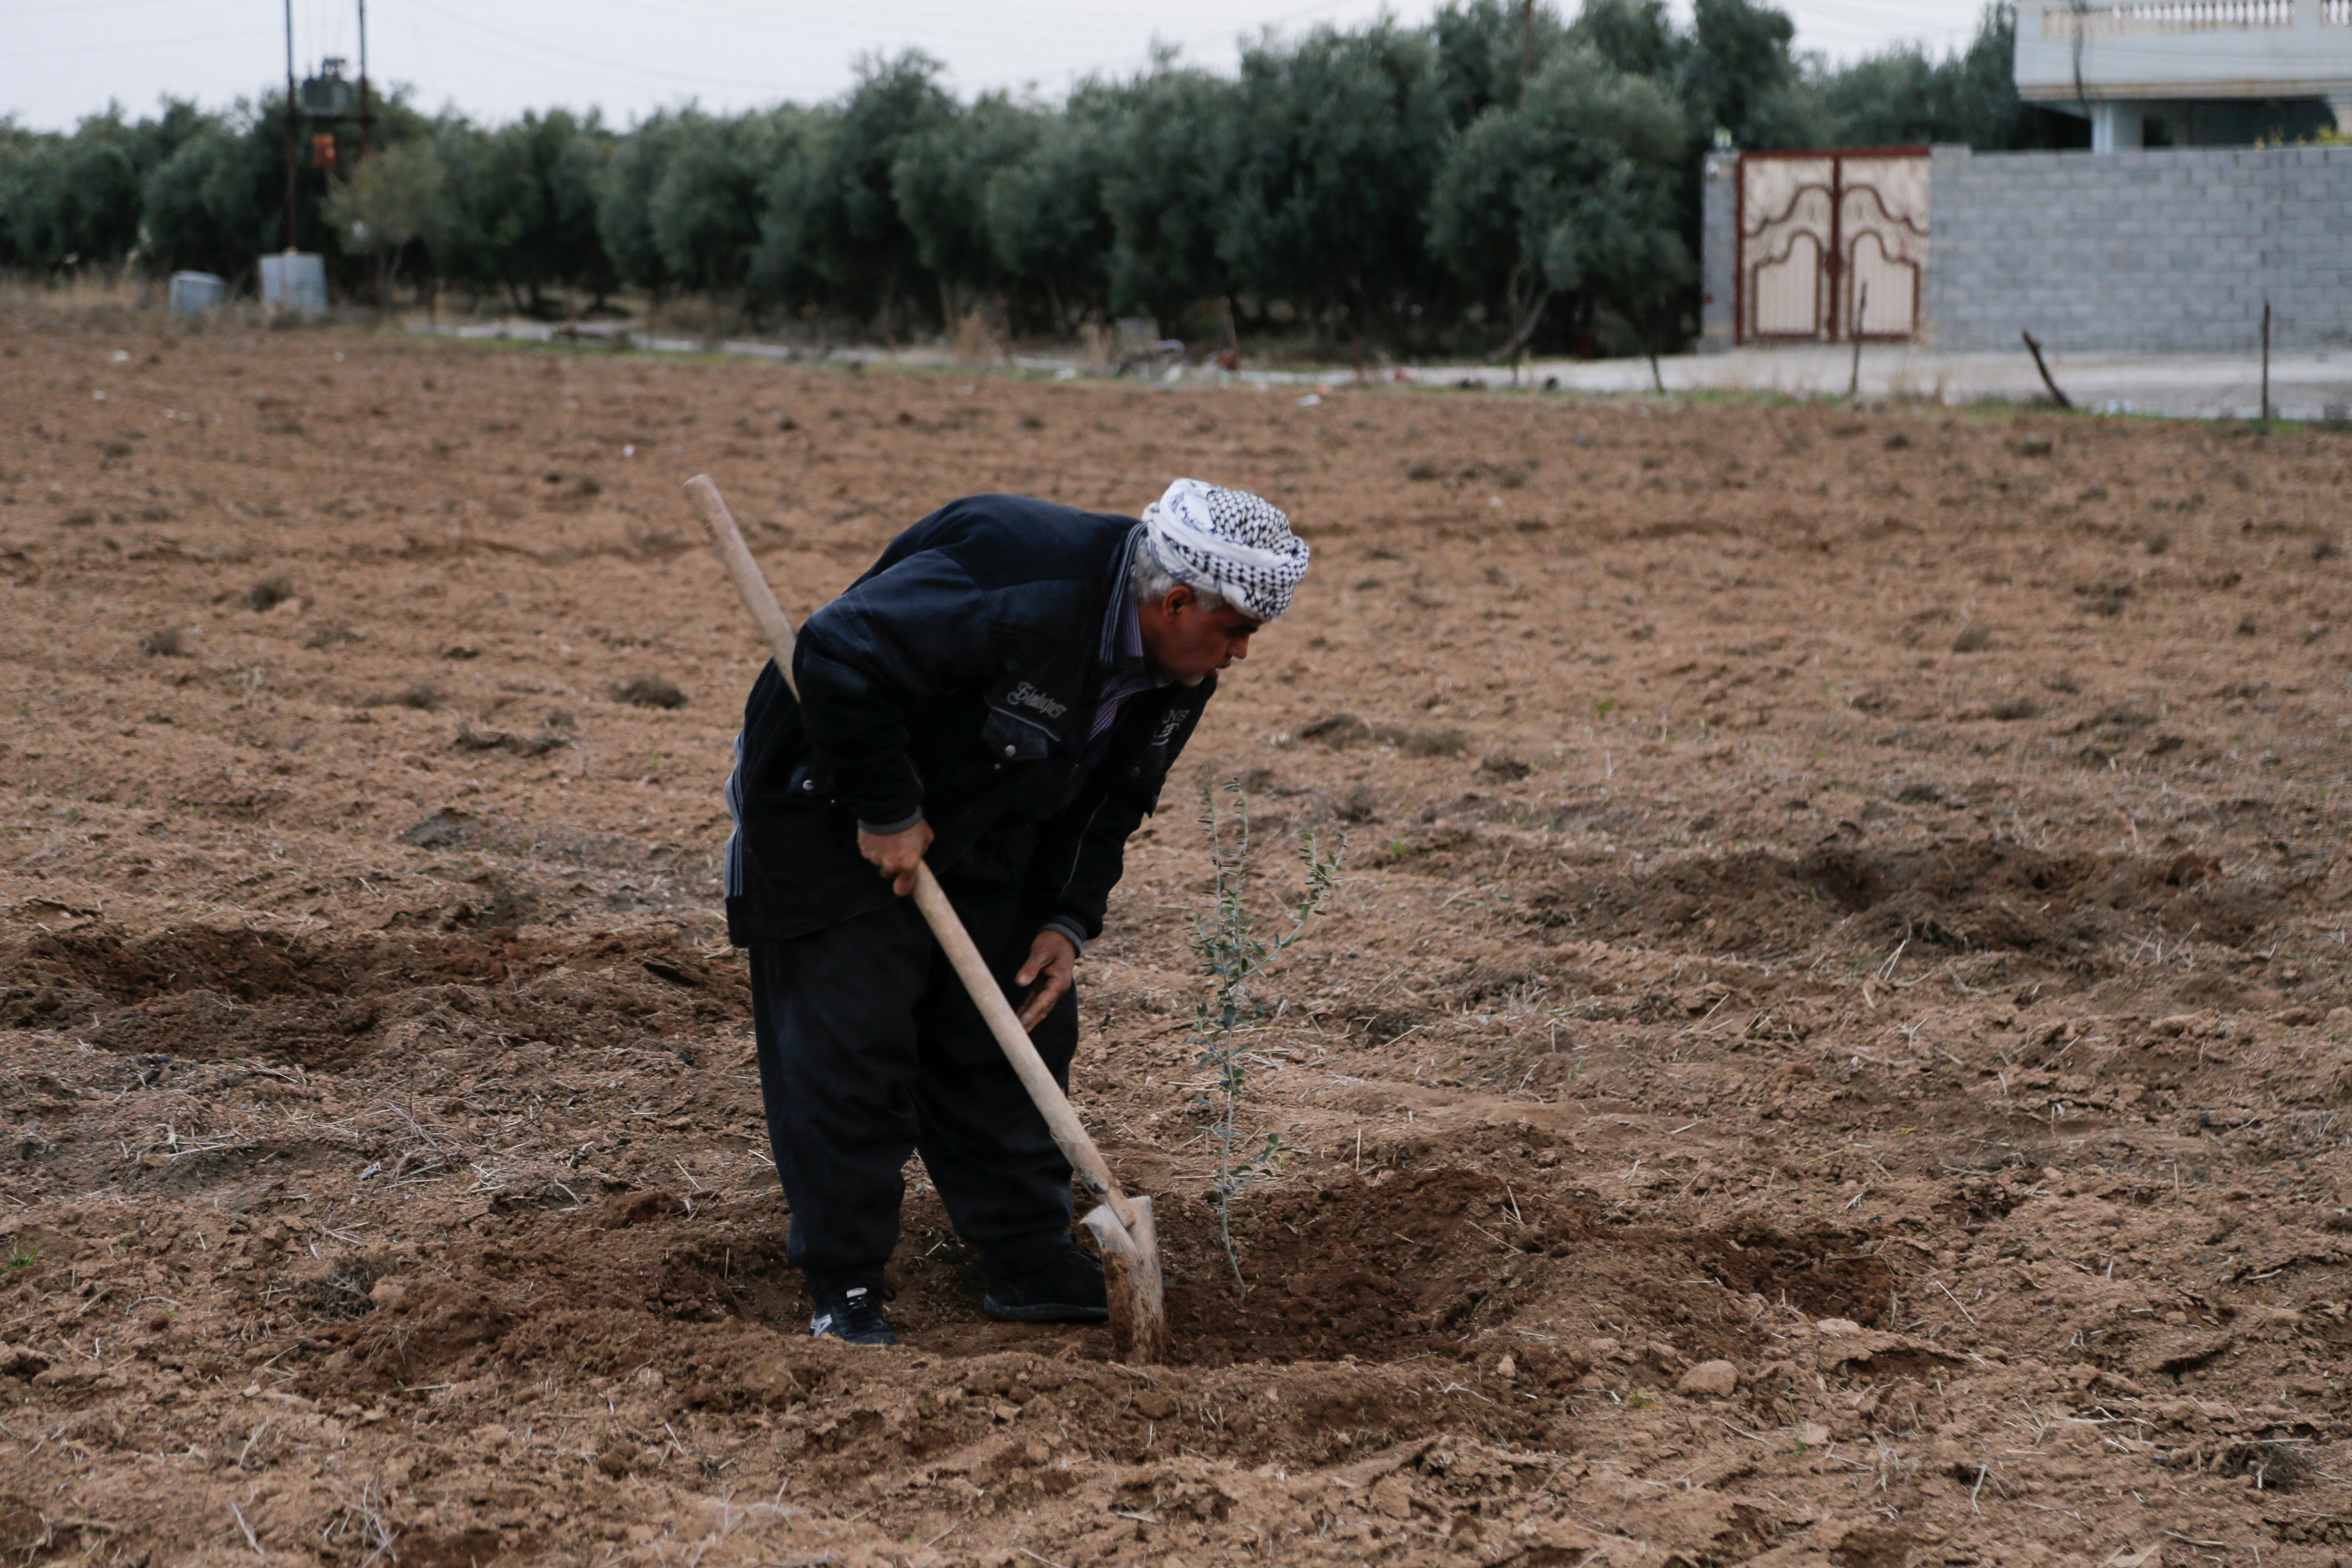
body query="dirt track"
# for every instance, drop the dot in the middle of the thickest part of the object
(1859, 897)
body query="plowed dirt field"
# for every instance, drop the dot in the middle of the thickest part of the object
(1830, 1046)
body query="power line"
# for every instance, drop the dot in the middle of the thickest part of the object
(945, 25)
(140, 44)
(927, 16)
(929, 21)
(623, 67)
(80, 10)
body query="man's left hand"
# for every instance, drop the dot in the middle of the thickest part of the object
(1053, 966)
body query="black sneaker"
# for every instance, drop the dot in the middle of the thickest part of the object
(1066, 1288)
(853, 1315)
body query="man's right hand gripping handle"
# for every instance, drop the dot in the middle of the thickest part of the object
(897, 855)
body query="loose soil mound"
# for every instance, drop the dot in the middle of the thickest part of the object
(1981, 897)
(1831, 1046)
(219, 995)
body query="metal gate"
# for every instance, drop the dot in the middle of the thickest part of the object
(1831, 244)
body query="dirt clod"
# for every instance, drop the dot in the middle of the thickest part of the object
(421, 695)
(1709, 1380)
(650, 691)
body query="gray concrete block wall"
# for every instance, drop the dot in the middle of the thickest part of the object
(1718, 243)
(2168, 250)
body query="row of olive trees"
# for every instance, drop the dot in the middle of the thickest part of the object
(1498, 173)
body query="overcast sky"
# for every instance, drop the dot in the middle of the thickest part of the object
(61, 59)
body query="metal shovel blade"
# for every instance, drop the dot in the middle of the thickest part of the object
(1131, 1260)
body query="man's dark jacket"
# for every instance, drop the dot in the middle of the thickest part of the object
(958, 678)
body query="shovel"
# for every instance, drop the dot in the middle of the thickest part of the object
(1122, 1225)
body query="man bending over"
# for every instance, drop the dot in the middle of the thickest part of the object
(1001, 693)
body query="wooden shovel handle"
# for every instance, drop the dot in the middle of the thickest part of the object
(1013, 1040)
(752, 583)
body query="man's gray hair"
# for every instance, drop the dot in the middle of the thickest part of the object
(1149, 580)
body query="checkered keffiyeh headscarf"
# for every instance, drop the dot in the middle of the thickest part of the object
(1228, 542)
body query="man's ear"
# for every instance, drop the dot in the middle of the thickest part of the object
(1179, 599)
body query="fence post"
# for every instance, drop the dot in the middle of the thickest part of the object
(1854, 383)
(2266, 360)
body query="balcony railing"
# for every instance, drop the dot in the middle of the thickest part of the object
(2149, 49)
(2154, 17)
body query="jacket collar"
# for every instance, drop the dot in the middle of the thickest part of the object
(1107, 651)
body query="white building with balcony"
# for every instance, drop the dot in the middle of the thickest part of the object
(2216, 197)
(2185, 73)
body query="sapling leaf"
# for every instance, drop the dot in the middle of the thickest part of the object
(1235, 954)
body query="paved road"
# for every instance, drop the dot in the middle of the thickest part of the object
(2311, 383)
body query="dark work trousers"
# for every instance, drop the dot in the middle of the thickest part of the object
(869, 1049)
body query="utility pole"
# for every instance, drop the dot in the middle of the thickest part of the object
(293, 133)
(367, 109)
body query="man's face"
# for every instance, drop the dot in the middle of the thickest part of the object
(1185, 641)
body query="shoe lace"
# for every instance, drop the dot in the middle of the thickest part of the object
(859, 1311)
